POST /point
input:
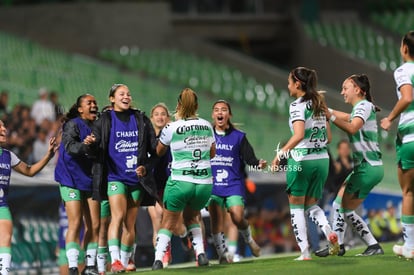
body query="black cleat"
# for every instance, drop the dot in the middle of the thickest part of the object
(372, 250)
(341, 250)
(90, 270)
(157, 265)
(202, 259)
(73, 271)
(323, 252)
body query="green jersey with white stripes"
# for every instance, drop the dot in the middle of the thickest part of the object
(313, 145)
(190, 141)
(402, 76)
(365, 142)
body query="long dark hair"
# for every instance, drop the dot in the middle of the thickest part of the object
(408, 40)
(308, 81)
(228, 107)
(362, 81)
(73, 111)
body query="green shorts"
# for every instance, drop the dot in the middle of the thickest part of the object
(105, 209)
(179, 194)
(309, 180)
(363, 179)
(117, 187)
(72, 194)
(5, 213)
(226, 202)
(405, 155)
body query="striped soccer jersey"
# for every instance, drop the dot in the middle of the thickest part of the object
(190, 141)
(365, 142)
(405, 75)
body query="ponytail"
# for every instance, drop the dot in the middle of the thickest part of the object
(188, 104)
(308, 81)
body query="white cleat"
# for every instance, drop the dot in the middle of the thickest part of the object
(303, 258)
(408, 253)
(398, 250)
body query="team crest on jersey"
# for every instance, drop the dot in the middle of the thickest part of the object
(72, 194)
(114, 187)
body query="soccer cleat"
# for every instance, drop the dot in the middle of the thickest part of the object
(303, 258)
(226, 258)
(323, 252)
(408, 253)
(167, 259)
(117, 267)
(341, 250)
(202, 259)
(131, 266)
(254, 248)
(73, 271)
(157, 265)
(372, 250)
(398, 250)
(333, 244)
(90, 270)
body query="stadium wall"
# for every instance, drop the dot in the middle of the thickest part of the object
(87, 27)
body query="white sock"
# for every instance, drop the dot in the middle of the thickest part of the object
(361, 227)
(246, 234)
(90, 257)
(125, 255)
(5, 260)
(114, 252)
(163, 240)
(298, 221)
(101, 258)
(408, 234)
(219, 243)
(196, 237)
(318, 217)
(339, 224)
(232, 248)
(73, 255)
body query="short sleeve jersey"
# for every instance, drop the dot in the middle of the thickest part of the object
(190, 141)
(313, 145)
(405, 75)
(365, 142)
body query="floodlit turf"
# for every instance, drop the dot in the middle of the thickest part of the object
(284, 264)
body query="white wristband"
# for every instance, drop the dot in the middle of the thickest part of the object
(332, 118)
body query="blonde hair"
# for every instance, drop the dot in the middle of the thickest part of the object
(187, 104)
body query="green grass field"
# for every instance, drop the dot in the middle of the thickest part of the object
(284, 264)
